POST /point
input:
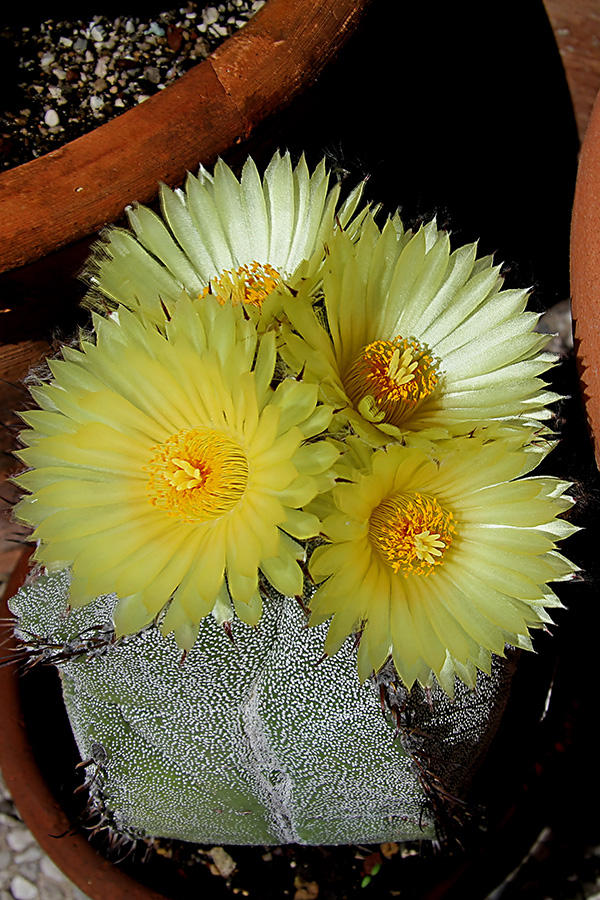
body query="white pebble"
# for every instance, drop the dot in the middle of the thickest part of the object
(96, 102)
(210, 15)
(223, 861)
(97, 34)
(9, 821)
(21, 889)
(51, 118)
(78, 895)
(32, 854)
(152, 74)
(50, 870)
(30, 871)
(102, 66)
(18, 839)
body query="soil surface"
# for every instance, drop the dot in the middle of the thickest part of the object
(61, 78)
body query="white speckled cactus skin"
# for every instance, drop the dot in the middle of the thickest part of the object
(252, 741)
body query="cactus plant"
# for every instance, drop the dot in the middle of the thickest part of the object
(344, 435)
(251, 741)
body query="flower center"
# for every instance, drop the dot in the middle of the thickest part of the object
(197, 475)
(411, 532)
(389, 379)
(249, 284)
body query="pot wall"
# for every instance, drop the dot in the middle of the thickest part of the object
(585, 273)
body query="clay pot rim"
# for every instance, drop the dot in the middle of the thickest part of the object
(585, 273)
(72, 192)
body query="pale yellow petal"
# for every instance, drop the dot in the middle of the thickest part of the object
(242, 587)
(130, 615)
(243, 546)
(301, 525)
(340, 527)
(251, 611)
(376, 640)
(284, 573)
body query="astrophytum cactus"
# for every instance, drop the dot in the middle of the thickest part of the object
(253, 738)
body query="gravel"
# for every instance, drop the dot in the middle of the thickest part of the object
(61, 79)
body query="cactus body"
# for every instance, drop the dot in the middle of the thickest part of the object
(252, 741)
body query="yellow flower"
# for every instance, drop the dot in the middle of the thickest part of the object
(418, 340)
(440, 561)
(239, 240)
(165, 467)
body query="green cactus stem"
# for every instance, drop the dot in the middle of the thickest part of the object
(254, 738)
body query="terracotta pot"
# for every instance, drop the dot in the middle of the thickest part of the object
(585, 273)
(71, 192)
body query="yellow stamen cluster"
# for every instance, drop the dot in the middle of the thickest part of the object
(411, 533)
(390, 379)
(249, 284)
(197, 475)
